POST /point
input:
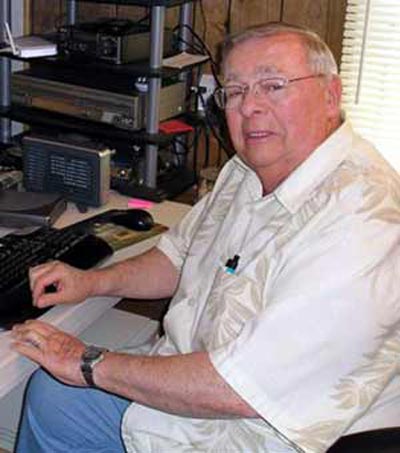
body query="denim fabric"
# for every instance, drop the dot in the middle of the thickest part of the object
(58, 418)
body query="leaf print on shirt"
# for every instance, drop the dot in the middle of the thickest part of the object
(343, 177)
(355, 392)
(380, 201)
(233, 301)
(232, 436)
(382, 189)
(361, 387)
(315, 438)
(389, 215)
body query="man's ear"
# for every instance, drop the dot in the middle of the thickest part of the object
(334, 96)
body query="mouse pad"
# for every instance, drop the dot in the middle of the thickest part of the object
(119, 237)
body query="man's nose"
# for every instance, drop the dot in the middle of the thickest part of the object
(253, 102)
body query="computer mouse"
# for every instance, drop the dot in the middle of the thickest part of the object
(134, 219)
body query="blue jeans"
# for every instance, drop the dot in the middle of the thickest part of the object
(58, 418)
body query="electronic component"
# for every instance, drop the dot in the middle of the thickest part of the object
(79, 171)
(114, 40)
(109, 100)
(21, 209)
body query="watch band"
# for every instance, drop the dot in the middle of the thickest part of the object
(91, 356)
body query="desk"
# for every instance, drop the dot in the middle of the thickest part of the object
(76, 319)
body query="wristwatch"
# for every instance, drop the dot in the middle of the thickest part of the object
(91, 356)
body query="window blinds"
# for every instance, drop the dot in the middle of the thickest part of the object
(370, 70)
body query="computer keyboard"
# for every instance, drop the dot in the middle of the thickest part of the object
(19, 252)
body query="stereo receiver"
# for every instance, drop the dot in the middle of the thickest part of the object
(122, 106)
(75, 168)
(115, 41)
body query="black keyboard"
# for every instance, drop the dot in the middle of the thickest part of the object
(19, 252)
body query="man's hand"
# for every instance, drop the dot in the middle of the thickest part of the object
(71, 285)
(56, 351)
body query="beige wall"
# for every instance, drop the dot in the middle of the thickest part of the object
(324, 16)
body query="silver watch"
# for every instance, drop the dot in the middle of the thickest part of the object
(91, 356)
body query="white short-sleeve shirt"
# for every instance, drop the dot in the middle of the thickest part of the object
(306, 330)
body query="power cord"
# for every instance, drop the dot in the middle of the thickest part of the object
(200, 47)
(216, 121)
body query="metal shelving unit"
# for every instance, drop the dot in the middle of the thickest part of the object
(153, 71)
(5, 76)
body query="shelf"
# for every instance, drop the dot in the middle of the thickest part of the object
(89, 66)
(168, 187)
(92, 66)
(118, 79)
(38, 117)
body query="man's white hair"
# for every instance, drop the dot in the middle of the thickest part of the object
(320, 57)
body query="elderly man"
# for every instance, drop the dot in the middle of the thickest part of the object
(283, 330)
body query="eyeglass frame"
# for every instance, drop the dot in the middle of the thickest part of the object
(245, 89)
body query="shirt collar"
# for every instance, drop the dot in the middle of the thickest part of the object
(252, 183)
(295, 189)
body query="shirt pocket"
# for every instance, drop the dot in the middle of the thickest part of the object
(233, 300)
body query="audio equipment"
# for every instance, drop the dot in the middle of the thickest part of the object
(115, 101)
(115, 41)
(69, 164)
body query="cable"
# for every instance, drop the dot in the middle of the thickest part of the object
(191, 45)
(207, 146)
(221, 134)
(203, 46)
(204, 49)
(145, 18)
(196, 137)
(59, 21)
(183, 144)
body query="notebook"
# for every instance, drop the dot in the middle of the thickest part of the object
(22, 209)
(184, 59)
(28, 46)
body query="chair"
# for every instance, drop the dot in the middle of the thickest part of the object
(386, 440)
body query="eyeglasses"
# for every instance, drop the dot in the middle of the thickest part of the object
(271, 89)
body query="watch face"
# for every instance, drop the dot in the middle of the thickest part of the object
(93, 352)
(90, 358)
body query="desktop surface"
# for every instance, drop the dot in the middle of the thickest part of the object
(83, 244)
(94, 321)
(76, 318)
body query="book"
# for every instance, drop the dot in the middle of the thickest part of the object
(28, 46)
(184, 59)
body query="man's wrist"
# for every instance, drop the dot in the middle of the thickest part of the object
(100, 283)
(93, 281)
(91, 357)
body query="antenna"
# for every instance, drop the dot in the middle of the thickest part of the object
(10, 38)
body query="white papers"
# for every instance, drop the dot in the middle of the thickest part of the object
(184, 59)
(29, 46)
